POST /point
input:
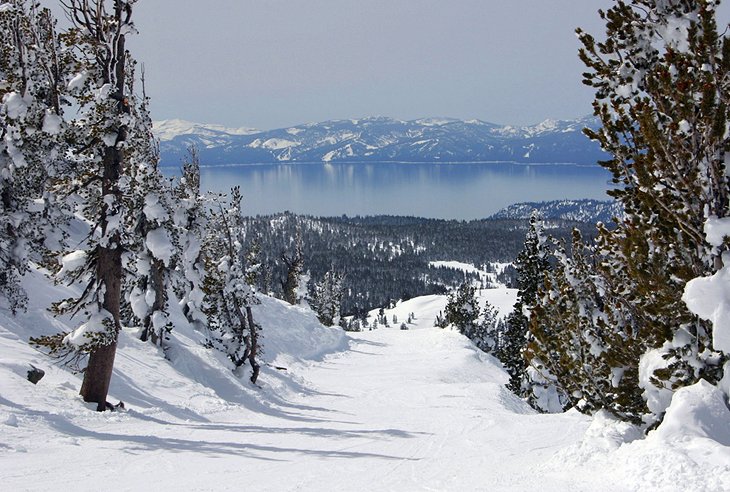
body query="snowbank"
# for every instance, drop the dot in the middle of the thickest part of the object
(293, 332)
(690, 450)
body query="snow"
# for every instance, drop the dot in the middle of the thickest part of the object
(153, 209)
(657, 399)
(709, 297)
(52, 123)
(98, 323)
(388, 409)
(158, 242)
(72, 262)
(435, 121)
(278, 144)
(675, 33)
(78, 81)
(16, 106)
(716, 229)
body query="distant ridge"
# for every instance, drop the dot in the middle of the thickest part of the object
(587, 210)
(382, 139)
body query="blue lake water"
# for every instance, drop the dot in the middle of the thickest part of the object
(449, 191)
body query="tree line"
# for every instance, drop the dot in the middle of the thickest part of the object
(383, 259)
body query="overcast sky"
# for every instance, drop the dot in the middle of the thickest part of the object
(274, 63)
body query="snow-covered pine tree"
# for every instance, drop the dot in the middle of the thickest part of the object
(326, 298)
(33, 67)
(294, 286)
(576, 353)
(228, 297)
(253, 263)
(531, 265)
(663, 97)
(154, 249)
(100, 90)
(485, 334)
(190, 218)
(440, 321)
(462, 309)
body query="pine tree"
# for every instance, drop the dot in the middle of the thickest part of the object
(33, 65)
(662, 94)
(485, 333)
(154, 251)
(294, 286)
(462, 309)
(530, 265)
(190, 218)
(326, 298)
(228, 297)
(440, 321)
(577, 352)
(101, 89)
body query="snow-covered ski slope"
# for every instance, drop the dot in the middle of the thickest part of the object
(389, 409)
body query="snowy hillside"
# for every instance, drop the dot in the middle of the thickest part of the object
(586, 210)
(388, 409)
(380, 139)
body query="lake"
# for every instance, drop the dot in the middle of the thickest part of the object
(447, 191)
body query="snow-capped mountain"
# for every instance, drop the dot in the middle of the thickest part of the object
(167, 130)
(382, 139)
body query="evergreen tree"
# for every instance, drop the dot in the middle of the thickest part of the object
(33, 67)
(484, 334)
(228, 297)
(576, 356)
(530, 265)
(440, 321)
(662, 94)
(154, 251)
(294, 286)
(462, 310)
(326, 298)
(99, 137)
(190, 219)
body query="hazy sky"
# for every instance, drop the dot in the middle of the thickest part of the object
(274, 63)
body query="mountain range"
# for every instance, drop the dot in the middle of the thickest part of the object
(382, 139)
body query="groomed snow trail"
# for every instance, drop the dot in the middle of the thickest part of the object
(402, 410)
(422, 410)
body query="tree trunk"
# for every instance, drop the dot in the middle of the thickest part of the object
(157, 279)
(254, 345)
(98, 373)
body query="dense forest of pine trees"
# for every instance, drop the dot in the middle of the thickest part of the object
(386, 258)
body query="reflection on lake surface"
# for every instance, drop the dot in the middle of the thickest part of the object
(450, 191)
